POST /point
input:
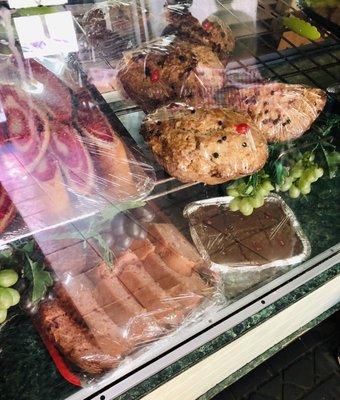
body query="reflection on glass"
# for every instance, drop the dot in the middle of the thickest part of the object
(34, 3)
(44, 35)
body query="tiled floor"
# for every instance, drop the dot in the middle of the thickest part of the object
(307, 369)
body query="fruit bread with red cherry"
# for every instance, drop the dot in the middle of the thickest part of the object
(204, 145)
(282, 111)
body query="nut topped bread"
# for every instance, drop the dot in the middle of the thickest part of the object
(282, 111)
(204, 145)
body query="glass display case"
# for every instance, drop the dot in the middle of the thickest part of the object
(168, 183)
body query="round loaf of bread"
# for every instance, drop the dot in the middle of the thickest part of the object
(213, 32)
(204, 145)
(204, 80)
(155, 73)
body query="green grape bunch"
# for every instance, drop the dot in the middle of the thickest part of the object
(8, 296)
(251, 195)
(300, 176)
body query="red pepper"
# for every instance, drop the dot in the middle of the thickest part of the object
(207, 25)
(242, 128)
(154, 76)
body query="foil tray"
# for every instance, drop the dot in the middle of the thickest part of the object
(236, 267)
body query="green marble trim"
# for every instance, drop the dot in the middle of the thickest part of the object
(265, 356)
(221, 341)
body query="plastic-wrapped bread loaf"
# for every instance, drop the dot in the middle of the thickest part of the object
(153, 298)
(137, 325)
(282, 111)
(177, 252)
(72, 339)
(209, 145)
(121, 176)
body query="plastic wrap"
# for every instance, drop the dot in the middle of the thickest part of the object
(102, 309)
(247, 251)
(61, 156)
(159, 54)
(205, 145)
(270, 237)
(208, 120)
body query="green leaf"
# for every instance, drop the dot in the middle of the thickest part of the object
(332, 160)
(28, 247)
(107, 253)
(98, 221)
(111, 211)
(279, 173)
(41, 280)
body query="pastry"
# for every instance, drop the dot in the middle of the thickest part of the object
(282, 111)
(52, 94)
(26, 129)
(155, 73)
(213, 32)
(121, 177)
(268, 235)
(171, 69)
(204, 145)
(7, 210)
(73, 157)
(72, 338)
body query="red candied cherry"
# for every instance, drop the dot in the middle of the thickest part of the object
(207, 25)
(155, 76)
(242, 128)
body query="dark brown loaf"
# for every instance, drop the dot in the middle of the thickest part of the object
(204, 145)
(74, 341)
(155, 73)
(213, 32)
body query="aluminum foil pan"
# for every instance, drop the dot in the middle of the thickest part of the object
(271, 237)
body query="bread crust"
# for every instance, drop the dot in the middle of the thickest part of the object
(203, 145)
(282, 111)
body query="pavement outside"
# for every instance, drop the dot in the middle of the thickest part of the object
(307, 369)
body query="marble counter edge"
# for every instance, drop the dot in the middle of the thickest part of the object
(227, 337)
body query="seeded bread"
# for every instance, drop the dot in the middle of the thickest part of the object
(204, 145)
(282, 111)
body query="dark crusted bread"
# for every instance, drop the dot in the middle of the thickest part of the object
(282, 111)
(213, 32)
(155, 73)
(171, 69)
(204, 145)
(204, 80)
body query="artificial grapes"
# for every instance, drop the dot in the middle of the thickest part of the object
(8, 296)
(247, 197)
(301, 175)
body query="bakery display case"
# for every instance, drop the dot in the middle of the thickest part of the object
(169, 213)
